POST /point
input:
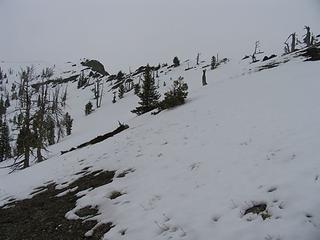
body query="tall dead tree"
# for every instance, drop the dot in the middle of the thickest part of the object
(98, 92)
(256, 51)
(39, 123)
(25, 134)
(289, 48)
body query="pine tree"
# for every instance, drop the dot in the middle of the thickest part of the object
(68, 123)
(2, 107)
(20, 142)
(88, 108)
(7, 102)
(149, 95)
(175, 96)
(120, 76)
(50, 133)
(176, 62)
(137, 89)
(5, 148)
(121, 91)
(39, 133)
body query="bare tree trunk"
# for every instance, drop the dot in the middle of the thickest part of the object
(27, 125)
(293, 42)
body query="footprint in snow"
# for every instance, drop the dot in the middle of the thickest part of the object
(310, 219)
(272, 189)
(216, 218)
(194, 166)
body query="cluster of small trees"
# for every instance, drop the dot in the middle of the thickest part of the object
(149, 96)
(40, 120)
(98, 86)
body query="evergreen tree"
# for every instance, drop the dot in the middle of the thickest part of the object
(50, 133)
(120, 76)
(39, 134)
(7, 102)
(88, 108)
(68, 123)
(149, 95)
(21, 142)
(137, 89)
(175, 96)
(3, 109)
(5, 148)
(176, 62)
(121, 91)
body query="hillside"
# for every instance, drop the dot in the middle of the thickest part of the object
(239, 160)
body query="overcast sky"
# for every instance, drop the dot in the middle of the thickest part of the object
(123, 33)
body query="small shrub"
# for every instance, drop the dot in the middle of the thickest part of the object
(88, 108)
(176, 62)
(175, 96)
(68, 123)
(115, 194)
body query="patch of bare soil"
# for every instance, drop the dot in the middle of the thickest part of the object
(43, 216)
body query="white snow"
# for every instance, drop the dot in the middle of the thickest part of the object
(247, 137)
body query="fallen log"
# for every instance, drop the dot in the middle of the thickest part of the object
(100, 138)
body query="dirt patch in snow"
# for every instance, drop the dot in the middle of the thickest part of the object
(259, 209)
(43, 215)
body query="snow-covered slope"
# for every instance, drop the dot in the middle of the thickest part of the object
(246, 138)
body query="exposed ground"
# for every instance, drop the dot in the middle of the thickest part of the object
(43, 216)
